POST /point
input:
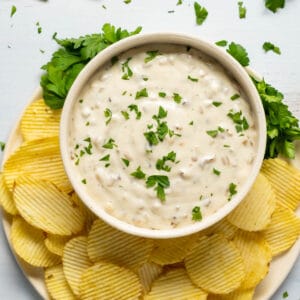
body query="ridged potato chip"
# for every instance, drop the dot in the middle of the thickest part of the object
(215, 265)
(39, 121)
(148, 272)
(285, 180)
(283, 230)
(75, 261)
(42, 205)
(173, 285)
(238, 294)
(57, 285)
(109, 244)
(255, 211)
(107, 281)
(28, 243)
(6, 198)
(257, 256)
(222, 227)
(170, 251)
(56, 243)
(40, 158)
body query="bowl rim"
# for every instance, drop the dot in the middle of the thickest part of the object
(230, 65)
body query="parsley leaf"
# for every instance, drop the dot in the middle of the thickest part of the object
(242, 10)
(108, 115)
(160, 163)
(200, 12)
(232, 190)
(127, 1)
(273, 5)
(235, 96)
(126, 162)
(138, 173)
(151, 55)
(142, 93)
(162, 94)
(239, 120)
(196, 214)
(179, 2)
(216, 172)
(177, 98)
(216, 103)
(212, 133)
(161, 182)
(221, 43)
(13, 10)
(192, 79)
(2, 146)
(285, 295)
(239, 53)
(267, 46)
(127, 72)
(69, 60)
(134, 107)
(109, 144)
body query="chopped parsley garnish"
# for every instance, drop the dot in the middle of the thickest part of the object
(2, 146)
(242, 10)
(196, 214)
(145, 78)
(109, 144)
(107, 115)
(177, 98)
(212, 133)
(83, 181)
(151, 138)
(127, 1)
(134, 107)
(87, 123)
(239, 120)
(239, 53)
(105, 158)
(282, 126)
(267, 46)
(127, 72)
(39, 28)
(200, 12)
(192, 79)
(226, 146)
(179, 2)
(80, 101)
(126, 162)
(162, 94)
(13, 10)
(161, 163)
(151, 55)
(89, 147)
(221, 43)
(71, 57)
(191, 123)
(138, 173)
(232, 190)
(142, 93)
(216, 103)
(273, 5)
(235, 96)
(285, 295)
(217, 172)
(160, 182)
(125, 114)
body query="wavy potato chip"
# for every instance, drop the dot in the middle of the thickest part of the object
(42, 205)
(283, 230)
(170, 251)
(238, 294)
(175, 284)
(56, 243)
(215, 265)
(57, 285)
(40, 158)
(109, 244)
(39, 121)
(285, 180)
(107, 281)
(223, 227)
(6, 198)
(75, 261)
(147, 273)
(255, 211)
(257, 256)
(28, 243)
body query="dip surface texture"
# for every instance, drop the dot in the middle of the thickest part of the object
(162, 137)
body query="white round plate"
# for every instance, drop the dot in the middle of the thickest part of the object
(279, 268)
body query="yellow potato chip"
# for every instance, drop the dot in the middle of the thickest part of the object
(40, 158)
(238, 294)
(255, 211)
(222, 227)
(28, 243)
(75, 261)
(106, 281)
(109, 244)
(257, 256)
(285, 180)
(57, 285)
(170, 251)
(39, 121)
(148, 272)
(6, 198)
(175, 284)
(56, 243)
(215, 265)
(42, 205)
(283, 230)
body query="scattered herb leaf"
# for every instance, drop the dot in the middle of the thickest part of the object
(107, 115)
(242, 10)
(160, 182)
(161, 163)
(222, 43)
(109, 144)
(239, 53)
(2, 146)
(267, 46)
(217, 172)
(141, 93)
(235, 96)
(177, 98)
(151, 55)
(232, 190)
(192, 79)
(212, 133)
(200, 12)
(13, 10)
(239, 120)
(216, 103)
(126, 162)
(162, 94)
(196, 214)
(274, 5)
(138, 173)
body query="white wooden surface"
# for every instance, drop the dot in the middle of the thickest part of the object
(20, 61)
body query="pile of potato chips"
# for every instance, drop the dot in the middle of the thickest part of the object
(84, 258)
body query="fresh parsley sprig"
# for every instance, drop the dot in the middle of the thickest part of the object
(274, 5)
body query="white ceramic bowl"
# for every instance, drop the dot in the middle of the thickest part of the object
(236, 71)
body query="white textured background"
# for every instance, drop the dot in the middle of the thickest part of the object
(21, 59)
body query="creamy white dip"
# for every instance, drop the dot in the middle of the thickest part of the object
(162, 136)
